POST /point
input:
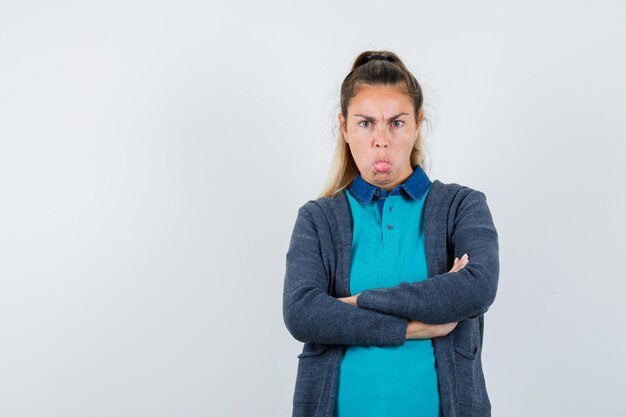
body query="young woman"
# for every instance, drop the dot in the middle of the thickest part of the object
(379, 285)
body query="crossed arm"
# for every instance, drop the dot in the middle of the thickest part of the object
(451, 296)
(311, 315)
(417, 329)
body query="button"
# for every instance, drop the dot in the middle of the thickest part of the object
(377, 192)
(390, 226)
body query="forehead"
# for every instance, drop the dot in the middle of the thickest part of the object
(380, 98)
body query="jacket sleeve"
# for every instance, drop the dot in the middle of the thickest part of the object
(312, 315)
(451, 296)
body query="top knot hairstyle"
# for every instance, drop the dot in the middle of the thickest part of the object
(372, 68)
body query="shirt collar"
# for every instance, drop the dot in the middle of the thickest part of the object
(414, 186)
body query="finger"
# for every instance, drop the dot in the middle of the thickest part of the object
(458, 264)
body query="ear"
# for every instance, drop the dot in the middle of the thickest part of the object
(420, 119)
(342, 122)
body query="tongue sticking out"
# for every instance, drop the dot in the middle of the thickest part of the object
(382, 166)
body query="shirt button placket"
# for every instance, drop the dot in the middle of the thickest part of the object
(389, 234)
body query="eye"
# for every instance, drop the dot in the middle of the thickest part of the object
(398, 121)
(364, 121)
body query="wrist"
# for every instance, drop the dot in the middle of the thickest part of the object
(416, 328)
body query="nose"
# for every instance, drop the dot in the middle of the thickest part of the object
(381, 138)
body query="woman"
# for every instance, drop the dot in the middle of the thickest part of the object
(378, 282)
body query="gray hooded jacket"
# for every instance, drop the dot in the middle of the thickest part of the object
(457, 220)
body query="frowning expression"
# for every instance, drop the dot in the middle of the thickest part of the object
(380, 129)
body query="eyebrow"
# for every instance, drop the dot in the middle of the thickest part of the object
(373, 119)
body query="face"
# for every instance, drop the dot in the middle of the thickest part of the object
(380, 129)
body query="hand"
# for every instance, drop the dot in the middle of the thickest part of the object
(460, 263)
(418, 330)
(350, 300)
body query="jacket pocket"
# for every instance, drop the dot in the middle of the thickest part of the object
(312, 368)
(468, 374)
(471, 411)
(466, 353)
(313, 351)
(304, 410)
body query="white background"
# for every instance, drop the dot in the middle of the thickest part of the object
(153, 156)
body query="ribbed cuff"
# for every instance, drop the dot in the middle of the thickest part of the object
(370, 300)
(392, 330)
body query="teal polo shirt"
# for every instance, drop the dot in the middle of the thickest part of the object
(388, 248)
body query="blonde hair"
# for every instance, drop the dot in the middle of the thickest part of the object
(367, 71)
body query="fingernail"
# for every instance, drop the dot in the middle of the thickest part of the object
(465, 255)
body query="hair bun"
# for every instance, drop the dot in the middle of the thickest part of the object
(378, 57)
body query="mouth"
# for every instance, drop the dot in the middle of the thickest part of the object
(382, 165)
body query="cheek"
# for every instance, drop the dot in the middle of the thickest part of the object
(358, 153)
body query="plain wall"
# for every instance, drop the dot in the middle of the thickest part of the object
(153, 156)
